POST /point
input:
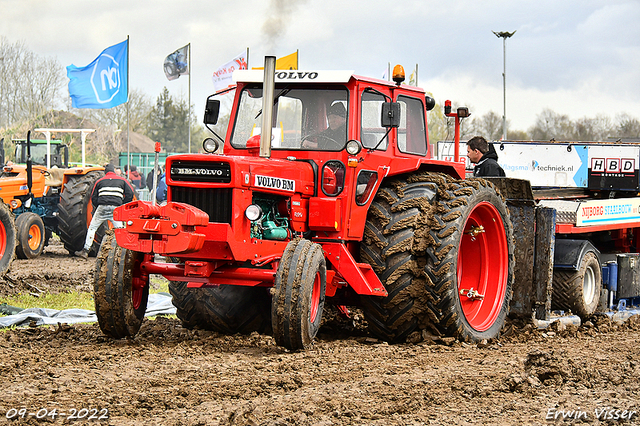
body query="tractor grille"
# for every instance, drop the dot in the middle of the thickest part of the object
(216, 202)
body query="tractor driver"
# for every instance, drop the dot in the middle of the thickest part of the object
(334, 136)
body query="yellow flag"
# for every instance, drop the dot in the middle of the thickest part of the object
(289, 62)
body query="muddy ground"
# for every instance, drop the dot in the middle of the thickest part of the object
(168, 375)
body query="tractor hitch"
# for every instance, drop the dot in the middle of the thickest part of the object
(167, 229)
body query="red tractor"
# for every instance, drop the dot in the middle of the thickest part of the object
(327, 192)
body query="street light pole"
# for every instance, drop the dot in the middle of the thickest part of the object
(504, 35)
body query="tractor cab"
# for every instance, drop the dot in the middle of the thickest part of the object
(59, 152)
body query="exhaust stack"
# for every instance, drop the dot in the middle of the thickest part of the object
(267, 105)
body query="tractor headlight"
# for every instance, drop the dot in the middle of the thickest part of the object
(253, 212)
(209, 145)
(353, 147)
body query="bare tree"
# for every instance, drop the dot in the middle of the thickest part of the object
(29, 84)
(140, 105)
(488, 125)
(592, 129)
(627, 127)
(551, 125)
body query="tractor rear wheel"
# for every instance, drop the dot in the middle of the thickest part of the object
(7, 237)
(298, 299)
(75, 211)
(120, 290)
(470, 261)
(578, 291)
(227, 309)
(389, 246)
(31, 235)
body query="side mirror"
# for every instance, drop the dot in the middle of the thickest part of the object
(430, 103)
(390, 114)
(212, 111)
(463, 112)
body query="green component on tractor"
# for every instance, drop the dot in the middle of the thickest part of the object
(271, 224)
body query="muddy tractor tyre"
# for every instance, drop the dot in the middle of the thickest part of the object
(7, 238)
(299, 294)
(75, 211)
(470, 261)
(31, 236)
(390, 247)
(120, 292)
(227, 309)
(578, 291)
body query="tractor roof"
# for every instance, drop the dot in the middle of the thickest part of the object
(306, 76)
(39, 141)
(294, 76)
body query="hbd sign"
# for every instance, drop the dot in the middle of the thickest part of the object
(613, 165)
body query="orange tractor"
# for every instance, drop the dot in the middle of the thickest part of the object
(43, 200)
(327, 192)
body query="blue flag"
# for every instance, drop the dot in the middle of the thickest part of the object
(102, 83)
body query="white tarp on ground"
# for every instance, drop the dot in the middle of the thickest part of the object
(159, 304)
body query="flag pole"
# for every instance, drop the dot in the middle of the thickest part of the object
(297, 59)
(128, 140)
(189, 113)
(248, 59)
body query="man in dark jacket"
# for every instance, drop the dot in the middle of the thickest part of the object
(108, 193)
(485, 158)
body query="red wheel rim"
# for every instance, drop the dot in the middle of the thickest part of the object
(3, 239)
(35, 237)
(139, 282)
(315, 297)
(136, 298)
(483, 266)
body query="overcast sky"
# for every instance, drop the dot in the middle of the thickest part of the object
(576, 57)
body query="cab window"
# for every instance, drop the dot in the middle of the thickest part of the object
(371, 130)
(412, 133)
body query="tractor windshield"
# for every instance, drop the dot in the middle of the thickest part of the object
(304, 117)
(38, 153)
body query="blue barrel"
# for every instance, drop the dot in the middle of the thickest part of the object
(610, 275)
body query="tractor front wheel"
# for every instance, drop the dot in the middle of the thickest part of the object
(31, 235)
(120, 290)
(299, 293)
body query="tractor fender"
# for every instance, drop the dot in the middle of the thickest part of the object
(569, 253)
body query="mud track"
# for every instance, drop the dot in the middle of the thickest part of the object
(168, 375)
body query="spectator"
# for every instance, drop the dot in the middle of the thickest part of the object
(161, 192)
(108, 193)
(136, 178)
(150, 177)
(485, 158)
